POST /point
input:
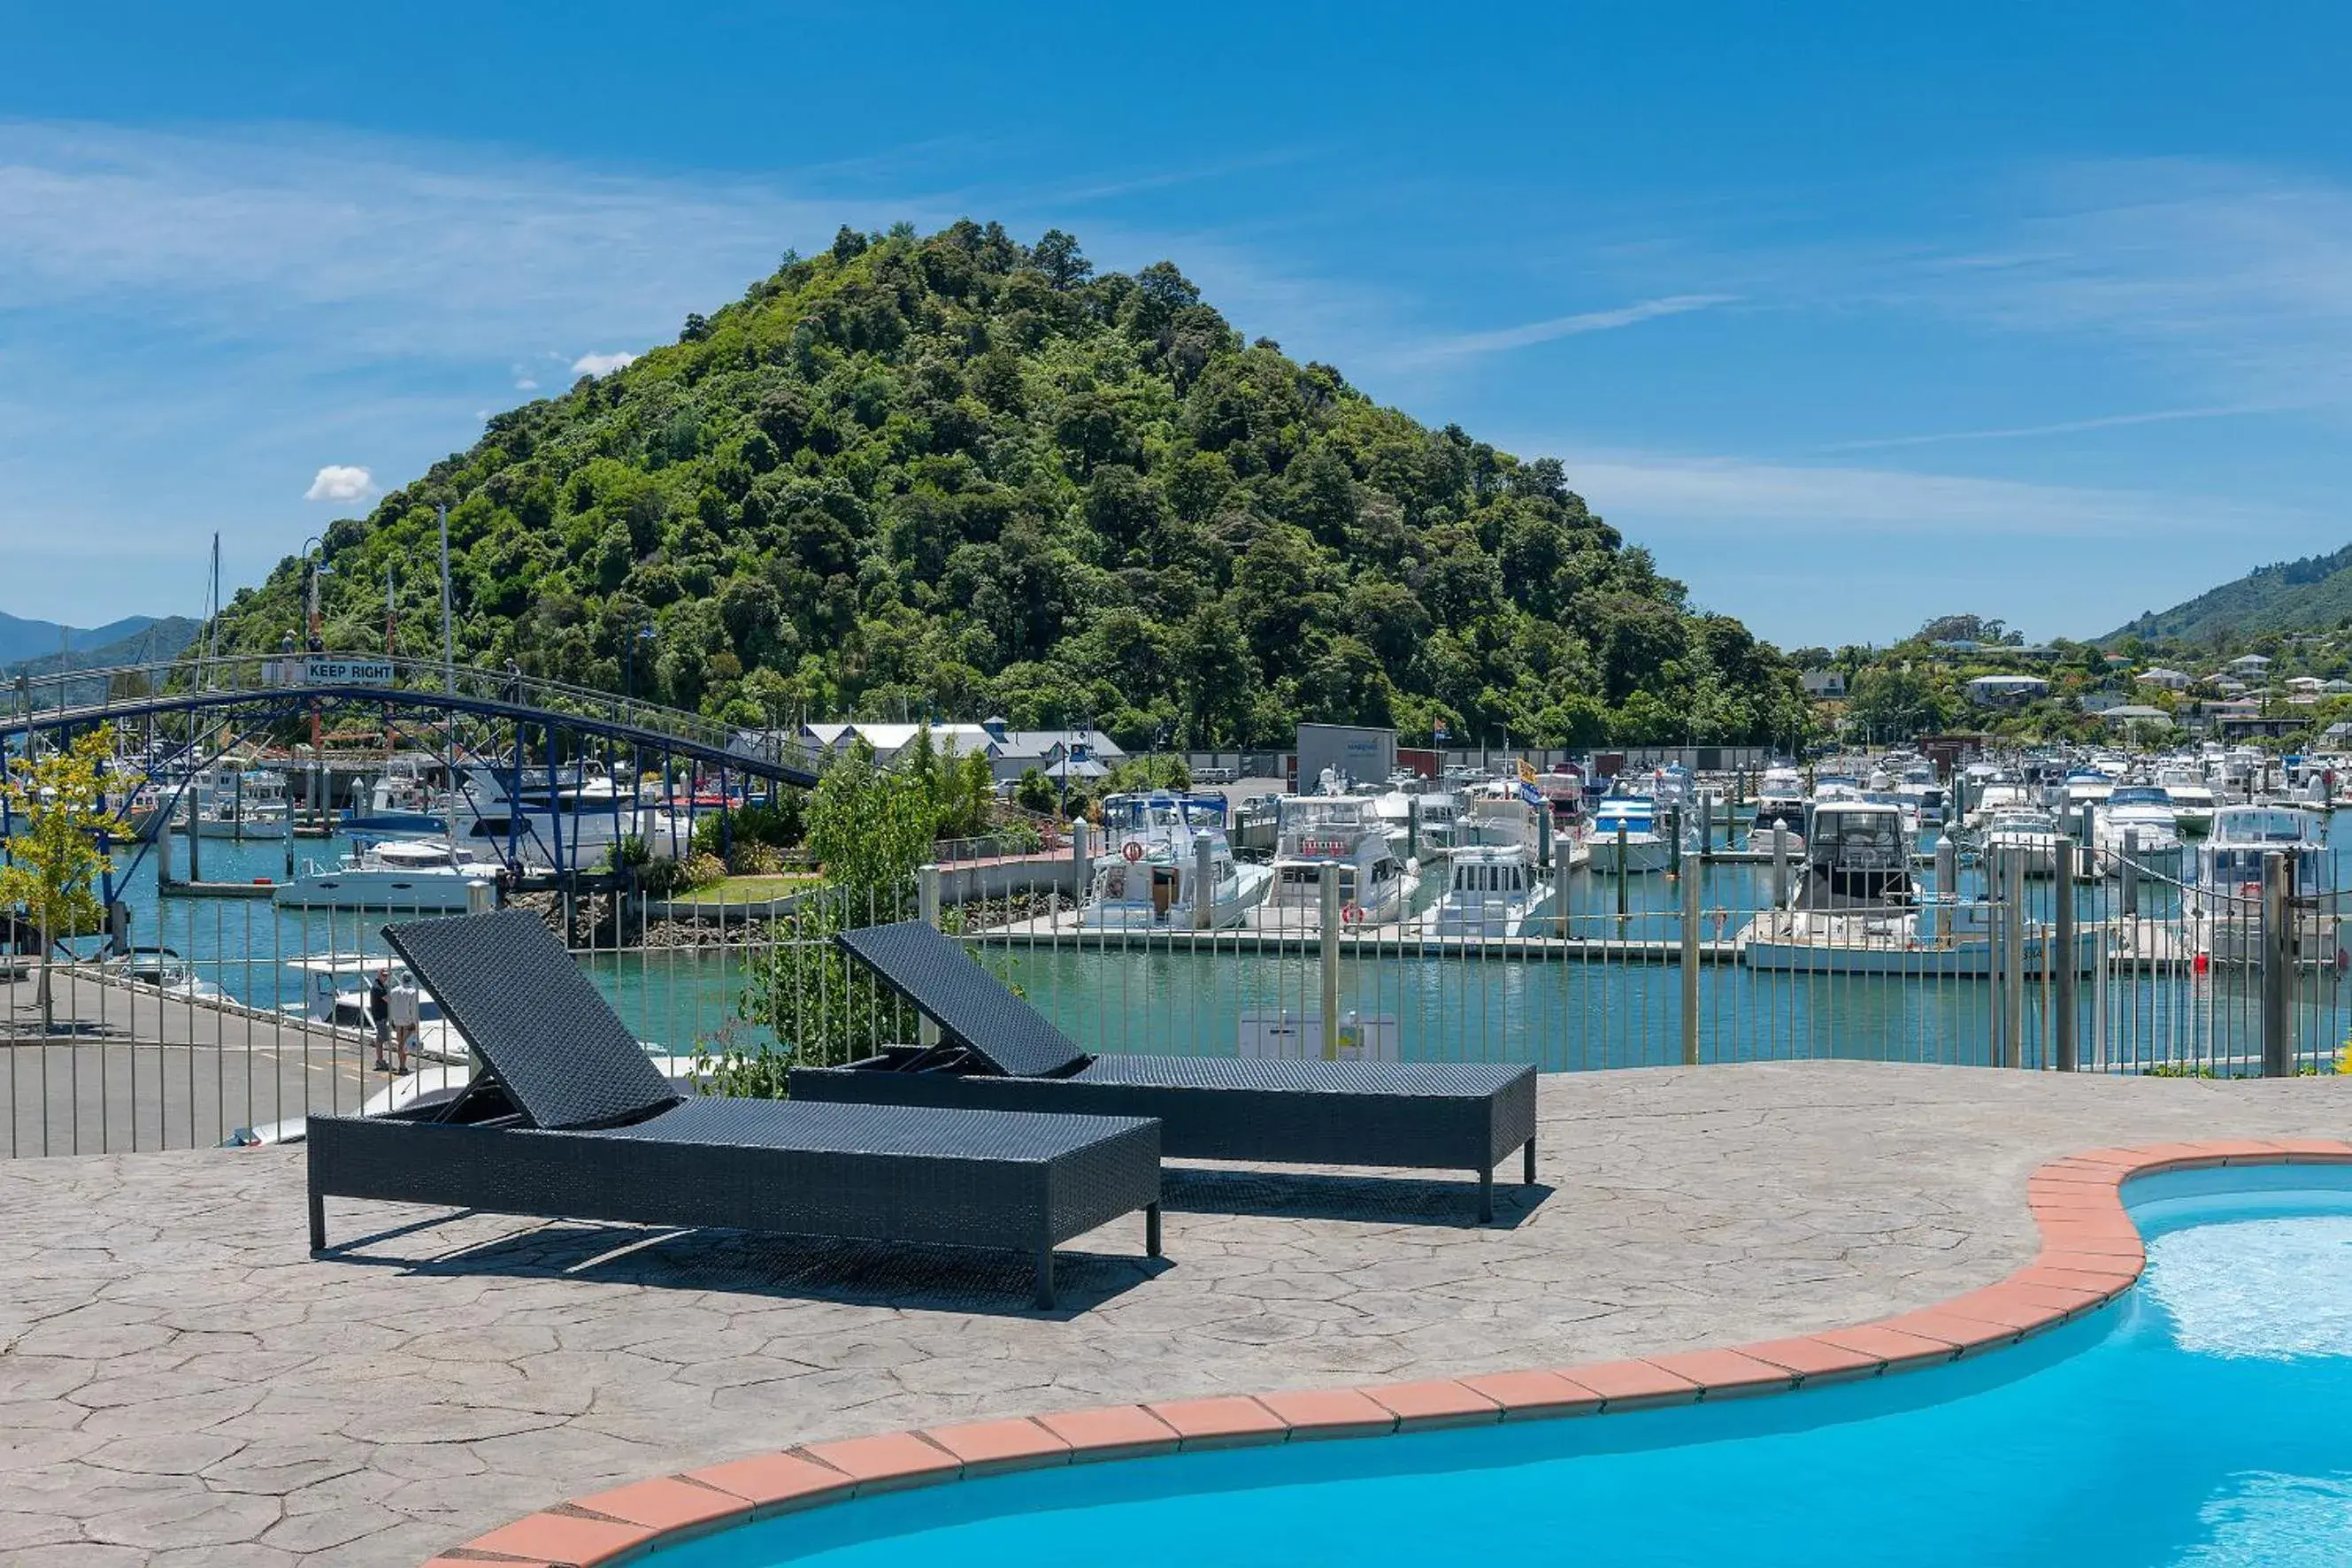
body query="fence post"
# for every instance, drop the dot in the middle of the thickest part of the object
(1690, 959)
(1204, 885)
(2062, 937)
(2278, 964)
(2131, 871)
(2013, 958)
(1328, 884)
(1082, 857)
(1779, 864)
(927, 893)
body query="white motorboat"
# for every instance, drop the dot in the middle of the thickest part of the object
(1780, 797)
(238, 804)
(1627, 837)
(1148, 876)
(1339, 837)
(1858, 854)
(334, 991)
(1490, 890)
(2193, 803)
(2225, 904)
(570, 815)
(399, 875)
(2137, 822)
(2030, 835)
(160, 968)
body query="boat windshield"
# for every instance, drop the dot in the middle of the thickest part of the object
(2139, 795)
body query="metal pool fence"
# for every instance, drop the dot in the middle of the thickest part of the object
(202, 1019)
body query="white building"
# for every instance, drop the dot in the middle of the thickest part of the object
(2250, 664)
(1824, 682)
(2167, 679)
(1078, 750)
(2007, 690)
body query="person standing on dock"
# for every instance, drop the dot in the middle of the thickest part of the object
(380, 1015)
(405, 1016)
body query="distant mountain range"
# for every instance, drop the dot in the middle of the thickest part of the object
(21, 639)
(2310, 594)
(136, 639)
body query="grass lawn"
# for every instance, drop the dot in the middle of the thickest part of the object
(750, 889)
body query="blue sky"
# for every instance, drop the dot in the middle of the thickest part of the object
(1853, 314)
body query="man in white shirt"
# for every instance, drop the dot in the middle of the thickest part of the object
(403, 1019)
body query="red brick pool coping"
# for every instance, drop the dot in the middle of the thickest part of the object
(2091, 1253)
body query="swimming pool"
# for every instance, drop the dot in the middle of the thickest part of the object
(2197, 1423)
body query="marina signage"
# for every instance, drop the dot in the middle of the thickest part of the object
(326, 670)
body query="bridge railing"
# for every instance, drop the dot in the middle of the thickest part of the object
(350, 676)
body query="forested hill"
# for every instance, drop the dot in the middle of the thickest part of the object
(2313, 594)
(959, 475)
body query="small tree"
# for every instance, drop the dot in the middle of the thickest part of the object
(58, 802)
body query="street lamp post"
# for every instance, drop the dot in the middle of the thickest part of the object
(629, 661)
(314, 568)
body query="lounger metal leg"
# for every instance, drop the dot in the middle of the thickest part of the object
(1530, 1179)
(317, 1220)
(1151, 1230)
(1046, 1300)
(1485, 1197)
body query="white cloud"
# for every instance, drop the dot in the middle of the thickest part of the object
(525, 384)
(1730, 495)
(2062, 427)
(1469, 344)
(602, 364)
(339, 481)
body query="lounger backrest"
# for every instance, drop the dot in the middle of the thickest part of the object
(971, 1005)
(564, 1056)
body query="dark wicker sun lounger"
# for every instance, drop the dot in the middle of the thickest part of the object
(572, 1119)
(999, 1053)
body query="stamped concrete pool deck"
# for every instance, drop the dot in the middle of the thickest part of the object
(181, 1384)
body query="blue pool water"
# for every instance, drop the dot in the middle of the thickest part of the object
(2201, 1423)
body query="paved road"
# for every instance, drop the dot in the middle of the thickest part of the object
(175, 1373)
(128, 1070)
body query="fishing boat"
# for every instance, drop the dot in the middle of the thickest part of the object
(569, 815)
(1491, 890)
(1339, 837)
(238, 804)
(1149, 878)
(399, 875)
(2139, 823)
(2225, 903)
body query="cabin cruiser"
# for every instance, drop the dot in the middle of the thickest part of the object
(1334, 835)
(2225, 904)
(1858, 854)
(1147, 876)
(1491, 890)
(1627, 837)
(400, 874)
(2000, 795)
(1918, 790)
(2192, 799)
(1436, 821)
(1780, 797)
(2030, 835)
(2145, 814)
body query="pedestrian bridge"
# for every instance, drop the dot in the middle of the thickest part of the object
(257, 689)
